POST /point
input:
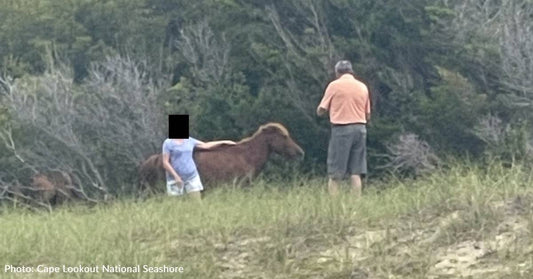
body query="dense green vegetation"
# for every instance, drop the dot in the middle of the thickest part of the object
(466, 221)
(452, 77)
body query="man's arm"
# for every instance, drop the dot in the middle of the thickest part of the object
(367, 108)
(320, 111)
(326, 101)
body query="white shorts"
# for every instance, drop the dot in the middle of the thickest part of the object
(192, 185)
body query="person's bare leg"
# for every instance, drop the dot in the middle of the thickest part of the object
(333, 187)
(357, 185)
(197, 196)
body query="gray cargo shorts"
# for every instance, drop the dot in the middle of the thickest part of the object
(347, 150)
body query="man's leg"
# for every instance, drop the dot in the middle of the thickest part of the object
(357, 163)
(338, 155)
(357, 185)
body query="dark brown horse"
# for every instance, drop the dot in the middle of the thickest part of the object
(53, 187)
(231, 163)
(151, 172)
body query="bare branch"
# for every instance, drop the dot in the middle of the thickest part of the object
(491, 130)
(409, 153)
(100, 130)
(506, 26)
(7, 137)
(6, 85)
(207, 54)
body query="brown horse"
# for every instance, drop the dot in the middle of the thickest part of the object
(151, 172)
(226, 163)
(53, 187)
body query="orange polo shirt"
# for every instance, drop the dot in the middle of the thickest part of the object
(347, 100)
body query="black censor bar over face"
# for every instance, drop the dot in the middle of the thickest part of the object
(178, 126)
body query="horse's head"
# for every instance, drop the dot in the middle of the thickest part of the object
(279, 141)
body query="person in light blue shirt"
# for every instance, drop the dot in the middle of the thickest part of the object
(181, 173)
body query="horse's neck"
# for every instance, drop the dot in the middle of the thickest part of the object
(257, 152)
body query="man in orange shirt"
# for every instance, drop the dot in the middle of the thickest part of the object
(348, 103)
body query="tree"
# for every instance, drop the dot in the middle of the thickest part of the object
(98, 131)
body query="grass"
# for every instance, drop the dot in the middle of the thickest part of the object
(401, 228)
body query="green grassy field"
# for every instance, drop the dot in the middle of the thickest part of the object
(461, 222)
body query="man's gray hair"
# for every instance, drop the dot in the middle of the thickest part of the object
(343, 67)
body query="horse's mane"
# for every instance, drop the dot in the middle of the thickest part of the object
(283, 130)
(278, 126)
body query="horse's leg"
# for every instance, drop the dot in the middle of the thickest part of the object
(144, 193)
(246, 180)
(236, 183)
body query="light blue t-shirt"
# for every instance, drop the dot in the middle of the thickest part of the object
(181, 158)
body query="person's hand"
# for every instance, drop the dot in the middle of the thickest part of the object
(178, 180)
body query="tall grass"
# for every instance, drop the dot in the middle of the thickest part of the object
(272, 230)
